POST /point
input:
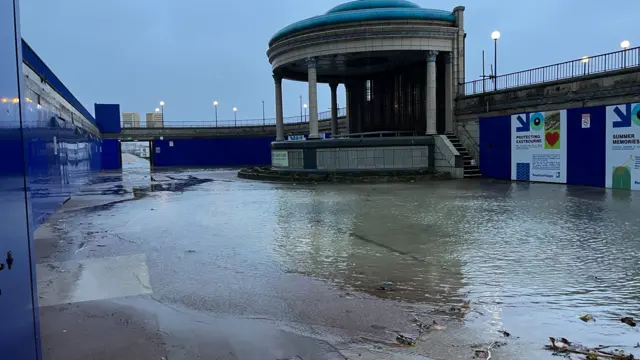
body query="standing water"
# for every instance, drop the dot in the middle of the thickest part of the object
(530, 258)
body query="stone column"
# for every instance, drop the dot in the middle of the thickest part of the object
(279, 119)
(347, 112)
(313, 98)
(431, 92)
(334, 108)
(460, 45)
(448, 93)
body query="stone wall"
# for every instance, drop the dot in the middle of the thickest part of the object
(447, 158)
(592, 90)
(379, 158)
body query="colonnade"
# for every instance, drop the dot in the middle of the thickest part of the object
(430, 103)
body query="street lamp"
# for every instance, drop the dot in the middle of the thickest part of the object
(305, 112)
(625, 44)
(157, 110)
(263, 120)
(235, 116)
(162, 109)
(300, 108)
(495, 36)
(585, 61)
(215, 107)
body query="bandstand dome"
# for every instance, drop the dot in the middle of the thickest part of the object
(399, 63)
(365, 10)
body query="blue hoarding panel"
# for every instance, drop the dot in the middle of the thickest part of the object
(495, 147)
(111, 156)
(18, 301)
(59, 157)
(213, 152)
(108, 117)
(586, 146)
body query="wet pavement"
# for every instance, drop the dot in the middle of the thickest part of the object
(197, 264)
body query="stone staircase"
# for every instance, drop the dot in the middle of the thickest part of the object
(470, 170)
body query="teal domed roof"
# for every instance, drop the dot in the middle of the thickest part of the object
(373, 4)
(366, 10)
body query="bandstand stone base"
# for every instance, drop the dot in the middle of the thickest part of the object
(370, 156)
(353, 154)
(342, 177)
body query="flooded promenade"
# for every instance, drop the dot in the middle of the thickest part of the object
(197, 264)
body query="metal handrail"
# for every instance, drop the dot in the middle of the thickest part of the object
(613, 61)
(469, 135)
(325, 115)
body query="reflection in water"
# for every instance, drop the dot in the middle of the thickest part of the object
(519, 251)
(364, 238)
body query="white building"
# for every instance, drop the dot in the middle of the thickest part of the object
(130, 120)
(154, 120)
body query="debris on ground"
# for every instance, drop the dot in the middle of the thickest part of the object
(406, 340)
(436, 326)
(385, 286)
(505, 333)
(564, 346)
(484, 354)
(587, 318)
(629, 321)
(422, 327)
(464, 308)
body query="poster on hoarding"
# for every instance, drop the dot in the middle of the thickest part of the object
(539, 146)
(623, 147)
(280, 158)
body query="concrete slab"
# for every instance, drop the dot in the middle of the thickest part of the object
(92, 279)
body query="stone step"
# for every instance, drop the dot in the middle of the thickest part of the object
(467, 176)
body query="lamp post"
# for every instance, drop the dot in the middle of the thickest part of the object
(263, 120)
(154, 120)
(235, 116)
(215, 108)
(305, 112)
(585, 61)
(162, 110)
(495, 36)
(300, 108)
(625, 44)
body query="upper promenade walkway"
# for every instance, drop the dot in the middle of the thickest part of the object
(226, 128)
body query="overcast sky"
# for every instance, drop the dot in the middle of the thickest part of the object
(191, 52)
